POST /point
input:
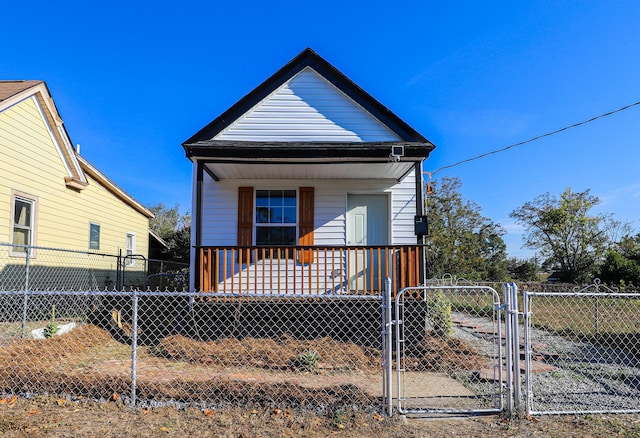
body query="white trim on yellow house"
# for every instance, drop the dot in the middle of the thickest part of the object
(91, 170)
(39, 162)
(76, 178)
(33, 240)
(75, 164)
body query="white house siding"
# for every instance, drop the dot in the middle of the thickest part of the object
(220, 211)
(220, 201)
(403, 211)
(307, 108)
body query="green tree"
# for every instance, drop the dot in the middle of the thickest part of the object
(629, 246)
(461, 241)
(522, 270)
(175, 229)
(623, 262)
(566, 234)
(616, 268)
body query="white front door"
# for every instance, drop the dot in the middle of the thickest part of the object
(367, 225)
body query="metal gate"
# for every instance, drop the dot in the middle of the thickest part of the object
(450, 365)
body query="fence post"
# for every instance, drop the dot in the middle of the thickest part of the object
(134, 345)
(387, 333)
(516, 346)
(527, 352)
(26, 289)
(509, 345)
(119, 269)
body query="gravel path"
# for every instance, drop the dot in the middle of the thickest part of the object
(579, 376)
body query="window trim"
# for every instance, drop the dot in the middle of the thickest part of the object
(92, 224)
(294, 225)
(129, 260)
(33, 201)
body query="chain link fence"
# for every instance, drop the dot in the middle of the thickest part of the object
(211, 350)
(167, 275)
(204, 350)
(41, 268)
(582, 351)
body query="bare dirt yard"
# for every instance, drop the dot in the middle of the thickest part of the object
(51, 417)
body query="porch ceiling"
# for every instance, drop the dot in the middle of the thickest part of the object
(334, 170)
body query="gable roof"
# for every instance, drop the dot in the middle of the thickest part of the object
(11, 88)
(14, 92)
(309, 60)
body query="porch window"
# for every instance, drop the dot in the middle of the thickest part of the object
(276, 217)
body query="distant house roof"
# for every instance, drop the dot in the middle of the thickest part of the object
(203, 142)
(13, 92)
(11, 88)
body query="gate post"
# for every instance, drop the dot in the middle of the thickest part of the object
(516, 347)
(513, 347)
(387, 339)
(134, 346)
(509, 345)
(527, 356)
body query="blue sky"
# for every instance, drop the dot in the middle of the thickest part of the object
(134, 79)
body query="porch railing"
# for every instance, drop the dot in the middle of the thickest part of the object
(308, 270)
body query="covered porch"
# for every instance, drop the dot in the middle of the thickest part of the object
(308, 270)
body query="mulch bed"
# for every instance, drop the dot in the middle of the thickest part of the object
(444, 355)
(89, 362)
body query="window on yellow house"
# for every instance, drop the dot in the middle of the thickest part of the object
(131, 249)
(23, 223)
(94, 236)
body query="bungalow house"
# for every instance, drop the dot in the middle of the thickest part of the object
(306, 186)
(52, 197)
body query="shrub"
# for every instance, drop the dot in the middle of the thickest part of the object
(439, 311)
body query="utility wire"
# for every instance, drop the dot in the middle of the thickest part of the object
(548, 134)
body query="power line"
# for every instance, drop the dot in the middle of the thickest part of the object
(584, 122)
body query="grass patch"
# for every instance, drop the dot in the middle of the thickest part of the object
(586, 316)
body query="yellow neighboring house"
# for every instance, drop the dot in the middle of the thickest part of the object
(51, 197)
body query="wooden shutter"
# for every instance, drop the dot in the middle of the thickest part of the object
(245, 216)
(305, 223)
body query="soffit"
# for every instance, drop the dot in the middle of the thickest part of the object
(310, 171)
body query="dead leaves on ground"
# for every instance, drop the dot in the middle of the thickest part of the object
(9, 401)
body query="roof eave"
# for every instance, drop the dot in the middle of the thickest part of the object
(113, 187)
(380, 150)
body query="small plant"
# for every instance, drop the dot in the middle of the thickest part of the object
(51, 328)
(308, 362)
(340, 418)
(440, 315)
